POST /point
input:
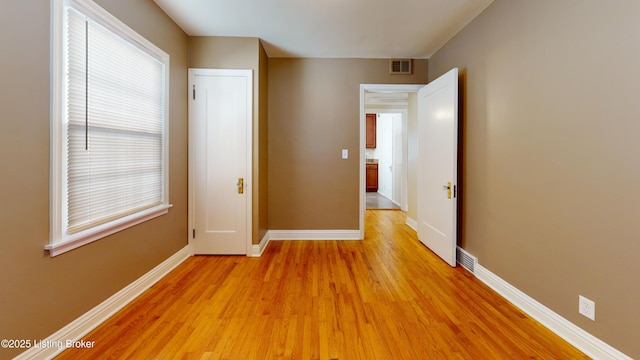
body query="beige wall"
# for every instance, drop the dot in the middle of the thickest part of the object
(412, 157)
(262, 150)
(313, 114)
(41, 294)
(550, 196)
(243, 53)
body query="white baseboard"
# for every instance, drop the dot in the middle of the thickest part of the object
(412, 223)
(315, 235)
(585, 342)
(81, 326)
(257, 250)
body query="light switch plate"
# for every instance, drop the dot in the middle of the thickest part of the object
(345, 153)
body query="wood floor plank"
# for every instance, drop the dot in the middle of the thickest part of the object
(386, 297)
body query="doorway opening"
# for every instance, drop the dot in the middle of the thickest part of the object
(434, 160)
(386, 99)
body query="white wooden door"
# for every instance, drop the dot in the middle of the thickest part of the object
(396, 152)
(437, 169)
(384, 148)
(220, 119)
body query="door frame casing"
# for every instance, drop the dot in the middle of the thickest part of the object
(409, 88)
(248, 182)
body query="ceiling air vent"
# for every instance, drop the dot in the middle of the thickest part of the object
(400, 67)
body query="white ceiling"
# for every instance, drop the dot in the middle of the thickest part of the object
(330, 28)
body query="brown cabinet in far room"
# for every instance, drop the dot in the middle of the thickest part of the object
(371, 131)
(372, 177)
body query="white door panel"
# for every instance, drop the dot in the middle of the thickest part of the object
(385, 158)
(220, 117)
(437, 172)
(397, 159)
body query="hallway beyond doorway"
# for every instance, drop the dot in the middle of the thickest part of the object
(377, 201)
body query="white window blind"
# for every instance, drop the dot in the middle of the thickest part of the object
(113, 120)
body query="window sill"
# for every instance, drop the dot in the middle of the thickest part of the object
(70, 242)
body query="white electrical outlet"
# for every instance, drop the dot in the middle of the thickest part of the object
(587, 307)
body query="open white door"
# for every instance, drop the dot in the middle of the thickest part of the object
(437, 169)
(220, 119)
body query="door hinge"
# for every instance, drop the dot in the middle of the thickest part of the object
(194, 95)
(194, 233)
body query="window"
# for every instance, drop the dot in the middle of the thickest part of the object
(109, 126)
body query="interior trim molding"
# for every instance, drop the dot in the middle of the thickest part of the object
(81, 326)
(258, 249)
(315, 235)
(412, 223)
(585, 342)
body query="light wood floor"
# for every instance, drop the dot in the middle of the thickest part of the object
(387, 297)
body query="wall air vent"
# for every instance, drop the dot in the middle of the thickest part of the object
(467, 260)
(400, 67)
